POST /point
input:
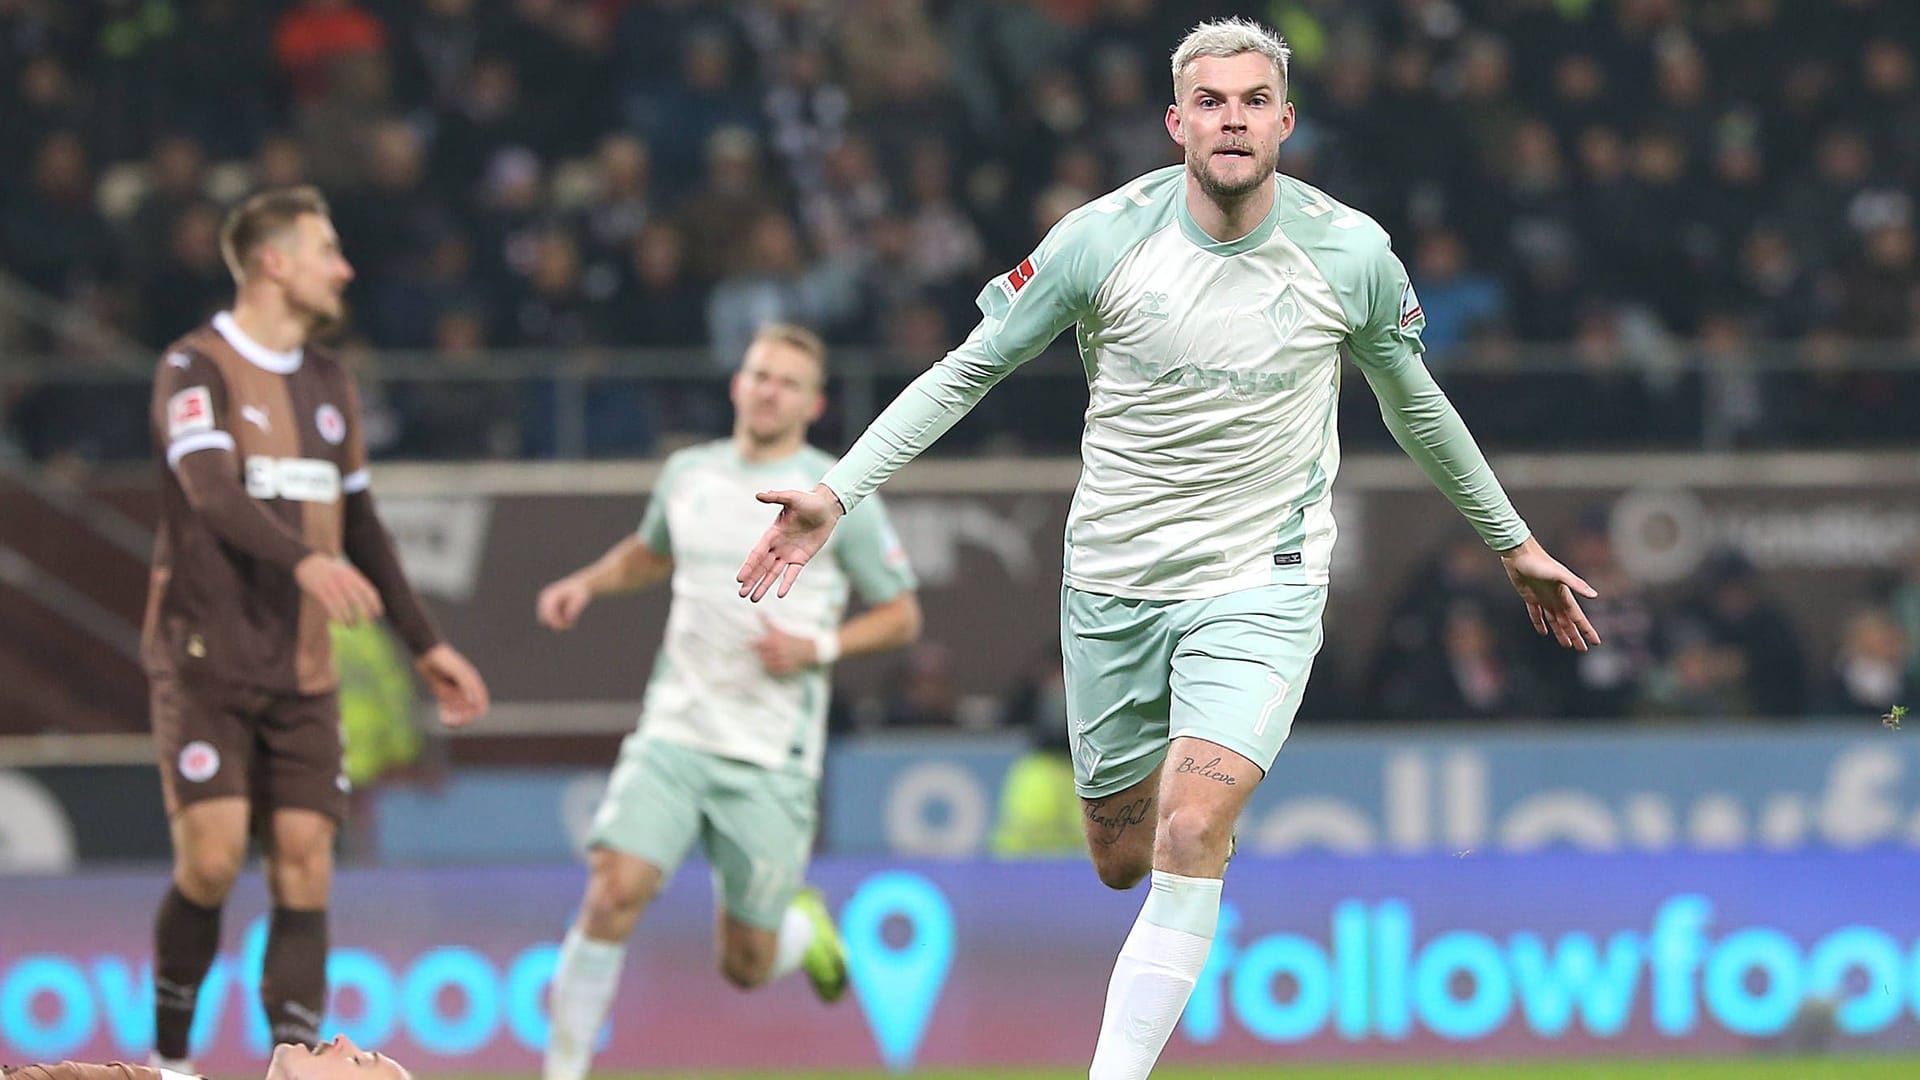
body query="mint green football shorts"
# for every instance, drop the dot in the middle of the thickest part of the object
(755, 824)
(1228, 669)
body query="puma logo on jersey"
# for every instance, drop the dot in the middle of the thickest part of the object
(255, 415)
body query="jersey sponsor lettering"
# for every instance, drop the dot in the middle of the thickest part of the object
(298, 479)
(189, 412)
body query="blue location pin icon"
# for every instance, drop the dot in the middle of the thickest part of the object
(898, 985)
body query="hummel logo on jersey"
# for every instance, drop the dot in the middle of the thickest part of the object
(1156, 305)
(255, 415)
(1016, 279)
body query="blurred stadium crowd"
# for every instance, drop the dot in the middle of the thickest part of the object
(1695, 219)
(1456, 647)
(1635, 182)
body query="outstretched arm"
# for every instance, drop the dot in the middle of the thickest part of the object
(1023, 311)
(1385, 344)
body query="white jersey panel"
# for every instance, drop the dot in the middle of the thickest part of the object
(1209, 428)
(708, 689)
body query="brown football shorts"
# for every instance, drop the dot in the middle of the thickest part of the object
(280, 751)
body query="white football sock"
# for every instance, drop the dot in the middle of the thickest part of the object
(584, 983)
(1155, 974)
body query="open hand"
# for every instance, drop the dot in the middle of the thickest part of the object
(1548, 589)
(805, 521)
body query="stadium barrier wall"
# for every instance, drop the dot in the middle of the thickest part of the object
(984, 536)
(1370, 791)
(1382, 791)
(974, 964)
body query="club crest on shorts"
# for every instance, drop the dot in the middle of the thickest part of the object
(333, 426)
(199, 761)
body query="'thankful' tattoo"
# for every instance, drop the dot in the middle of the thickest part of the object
(1209, 771)
(1111, 823)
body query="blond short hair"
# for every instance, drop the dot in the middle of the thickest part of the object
(261, 218)
(1231, 37)
(798, 337)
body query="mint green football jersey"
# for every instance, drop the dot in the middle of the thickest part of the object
(708, 690)
(1213, 370)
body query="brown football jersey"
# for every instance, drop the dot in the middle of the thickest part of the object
(226, 610)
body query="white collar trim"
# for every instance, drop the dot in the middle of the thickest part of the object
(280, 363)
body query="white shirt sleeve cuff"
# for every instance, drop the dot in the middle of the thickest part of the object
(204, 440)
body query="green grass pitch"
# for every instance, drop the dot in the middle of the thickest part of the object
(1826, 1068)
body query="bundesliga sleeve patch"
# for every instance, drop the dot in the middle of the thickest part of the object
(189, 412)
(1015, 279)
(1409, 307)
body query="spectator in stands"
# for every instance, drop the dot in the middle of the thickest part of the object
(44, 101)
(1737, 410)
(1456, 299)
(1739, 616)
(557, 311)
(189, 281)
(314, 35)
(1702, 679)
(621, 202)
(487, 115)
(1882, 285)
(660, 305)
(436, 47)
(1607, 686)
(806, 111)
(775, 283)
(393, 221)
(340, 126)
(52, 234)
(176, 180)
(1869, 674)
(280, 161)
(735, 193)
(1472, 676)
(851, 197)
(710, 95)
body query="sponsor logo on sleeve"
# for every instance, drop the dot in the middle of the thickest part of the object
(1409, 307)
(189, 412)
(1015, 279)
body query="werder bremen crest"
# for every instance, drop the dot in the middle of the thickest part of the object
(1285, 314)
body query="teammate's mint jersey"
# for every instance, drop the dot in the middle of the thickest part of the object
(708, 690)
(1214, 373)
